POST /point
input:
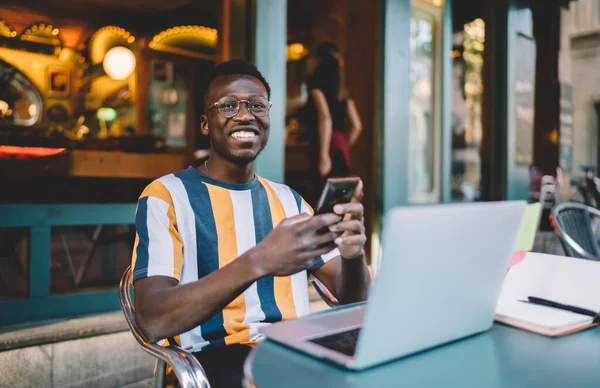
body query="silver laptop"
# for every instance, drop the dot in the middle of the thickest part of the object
(441, 271)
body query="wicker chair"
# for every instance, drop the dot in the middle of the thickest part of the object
(572, 223)
(187, 368)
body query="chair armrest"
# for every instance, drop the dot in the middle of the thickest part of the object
(187, 368)
(323, 292)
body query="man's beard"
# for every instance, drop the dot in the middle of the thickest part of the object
(239, 160)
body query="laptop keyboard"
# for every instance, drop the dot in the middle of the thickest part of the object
(344, 342)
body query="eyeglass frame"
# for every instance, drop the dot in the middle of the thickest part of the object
(216, 105)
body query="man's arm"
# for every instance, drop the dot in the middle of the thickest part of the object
(164, 308)
(347, 276)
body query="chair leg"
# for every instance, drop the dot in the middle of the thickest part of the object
(161, 368)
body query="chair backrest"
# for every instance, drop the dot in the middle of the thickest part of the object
(187, 368)
(573, 224)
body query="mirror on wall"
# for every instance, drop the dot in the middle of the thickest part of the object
(20, 100)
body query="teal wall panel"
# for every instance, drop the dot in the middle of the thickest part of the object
(60, 306)
(39, 271)
(446, 103)
(66, 214)
(393, 100)
(270, 57)
(40, 219)
(520, 26)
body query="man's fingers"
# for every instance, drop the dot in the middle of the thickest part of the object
(354, 226)
(355, 209)
(322, 220)
(358, 193)
(321, 250)
(299, 218)
(355, 239)
(324, 238)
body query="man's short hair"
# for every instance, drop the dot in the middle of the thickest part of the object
(239, 67)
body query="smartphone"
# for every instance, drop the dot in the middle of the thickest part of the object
(336, 190)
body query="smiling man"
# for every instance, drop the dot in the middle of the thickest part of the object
(221, 252)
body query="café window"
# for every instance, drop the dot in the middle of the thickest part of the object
(467, 93)
(91, 111)
(424, 136)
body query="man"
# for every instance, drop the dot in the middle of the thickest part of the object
(221, 252)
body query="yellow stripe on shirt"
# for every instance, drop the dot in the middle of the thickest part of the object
(284, 296)
(234, 312)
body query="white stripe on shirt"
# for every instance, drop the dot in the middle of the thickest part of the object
(186, 226)
(160, 243)
(246, 239)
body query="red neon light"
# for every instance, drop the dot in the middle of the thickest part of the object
(21, 152)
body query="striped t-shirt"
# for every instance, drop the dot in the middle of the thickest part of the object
(189, 225)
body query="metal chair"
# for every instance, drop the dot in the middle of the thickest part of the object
(187, 368)
(323, 292)
(572, 222)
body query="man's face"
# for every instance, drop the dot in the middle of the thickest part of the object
(241, 138)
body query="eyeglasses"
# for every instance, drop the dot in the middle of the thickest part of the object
(229, 107)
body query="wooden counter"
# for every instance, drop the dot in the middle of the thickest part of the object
(107, 164)
(95, 164)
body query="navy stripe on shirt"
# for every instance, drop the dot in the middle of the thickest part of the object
(298, 199)
(263, 225)
(207, 246)
(140, 270)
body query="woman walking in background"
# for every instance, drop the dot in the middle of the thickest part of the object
(330, 144)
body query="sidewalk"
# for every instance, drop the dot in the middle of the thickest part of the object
(94, 351)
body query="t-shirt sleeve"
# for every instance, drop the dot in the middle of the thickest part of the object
(306, 208)
(158, 249)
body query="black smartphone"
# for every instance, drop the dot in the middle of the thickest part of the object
(336, 190)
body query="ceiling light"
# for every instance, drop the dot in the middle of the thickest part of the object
(119, 63)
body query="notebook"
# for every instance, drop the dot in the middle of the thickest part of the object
(568, 281)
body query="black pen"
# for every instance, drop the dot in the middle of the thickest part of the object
(549, 303)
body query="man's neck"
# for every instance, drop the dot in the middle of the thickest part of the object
(226, 171)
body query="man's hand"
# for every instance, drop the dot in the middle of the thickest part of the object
(352, 242)
(295, 245)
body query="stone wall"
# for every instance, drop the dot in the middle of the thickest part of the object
(112, 359)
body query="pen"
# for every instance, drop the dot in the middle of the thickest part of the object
(549, 303)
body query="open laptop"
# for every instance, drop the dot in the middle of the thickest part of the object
(440, 277)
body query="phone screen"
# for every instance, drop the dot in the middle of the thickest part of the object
(336, 190)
